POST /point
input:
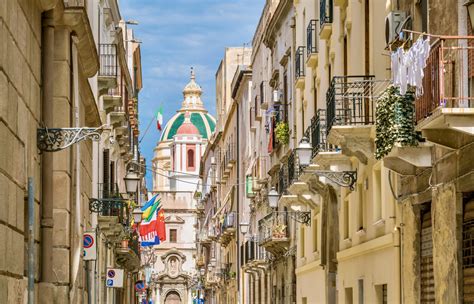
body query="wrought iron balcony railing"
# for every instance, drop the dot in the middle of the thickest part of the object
(110, 203)
(312, 37)
(108, 60)
(325, 11)
(299, 62)
(351, 100)
(316, 133)
(447, 74)
(273, 227)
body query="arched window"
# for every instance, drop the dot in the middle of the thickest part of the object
(191, 159)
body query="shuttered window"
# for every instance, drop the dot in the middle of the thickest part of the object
(426, 265)
(468, 251)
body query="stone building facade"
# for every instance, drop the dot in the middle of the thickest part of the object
(402, 232)
(49, 69)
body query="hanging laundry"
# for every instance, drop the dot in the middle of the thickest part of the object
(408, 66)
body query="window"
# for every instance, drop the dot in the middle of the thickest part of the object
(346, 219)
(285, 97)
(381, 293)
(361, 207)
(361, 291)
(348, 295)
(190, 159)
(315, 234)
(261, 93)
(377, 185)
(304, 300)
(302, 236)
(173, 235)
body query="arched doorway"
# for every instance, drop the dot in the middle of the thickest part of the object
(173, 298)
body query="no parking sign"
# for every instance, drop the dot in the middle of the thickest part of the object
(114, 277)
(89, 246)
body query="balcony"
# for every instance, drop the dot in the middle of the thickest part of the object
(228, 228)
(114, 214)
(325, 18)
(312, 43)
(445, 111)
(273, 232)
(350, 113)
(108, 70)
(253, 256)
(299, 67)
(127, 254)
(117, 116)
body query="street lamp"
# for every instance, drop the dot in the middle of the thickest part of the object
(137, 215)
(244, 227)
(273, 197)
(304, 151)
(470, 9)
(131, 181)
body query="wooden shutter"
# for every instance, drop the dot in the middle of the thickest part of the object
(468, 251)
(426, 271)
(106, 173)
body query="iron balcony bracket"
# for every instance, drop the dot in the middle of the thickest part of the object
(303, 217)
(100, 205)
(343, 178)
(57, 139)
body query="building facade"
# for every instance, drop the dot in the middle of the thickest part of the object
(52, 73)
(175, 177)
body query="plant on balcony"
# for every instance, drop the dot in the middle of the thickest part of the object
(279, 231)
(395, 121)
(282, 132)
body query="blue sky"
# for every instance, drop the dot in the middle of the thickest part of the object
(178, 34)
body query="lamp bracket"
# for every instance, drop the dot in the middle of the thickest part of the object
(303, 217)
(57, 139)
(343, 178)
(100, 205)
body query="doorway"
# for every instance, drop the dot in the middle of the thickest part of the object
(173, 298)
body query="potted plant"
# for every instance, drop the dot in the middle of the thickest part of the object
(282, 132)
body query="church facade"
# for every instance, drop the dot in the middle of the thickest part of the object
(175, 177)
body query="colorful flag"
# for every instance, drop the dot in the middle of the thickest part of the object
(148, 231)
(150, 203)
(159, 118)
(161, 228)
(148, 213)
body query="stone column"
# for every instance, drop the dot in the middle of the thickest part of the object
(446, 212)
(410, 251)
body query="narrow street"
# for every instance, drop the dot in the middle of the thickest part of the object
(236, 151)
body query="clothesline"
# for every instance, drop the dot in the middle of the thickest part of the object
(437, 36)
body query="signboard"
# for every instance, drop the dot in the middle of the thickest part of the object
(89, 245)
(140, 285)
(114, 278)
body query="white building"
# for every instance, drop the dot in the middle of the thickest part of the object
(176, 175)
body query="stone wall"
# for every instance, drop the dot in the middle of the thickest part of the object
(20, 49)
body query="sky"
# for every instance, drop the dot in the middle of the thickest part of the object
(177, 35)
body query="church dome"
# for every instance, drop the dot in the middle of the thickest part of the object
(187, 128)
(199, 119)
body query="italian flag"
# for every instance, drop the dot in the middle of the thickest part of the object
(159, 118)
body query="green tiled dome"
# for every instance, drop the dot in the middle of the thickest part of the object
(204, 122)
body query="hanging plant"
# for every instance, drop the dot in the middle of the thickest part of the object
(395, 121)
(282, 133)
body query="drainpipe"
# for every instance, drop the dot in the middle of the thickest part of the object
(238, 206)
(47, 158)
(31, 241)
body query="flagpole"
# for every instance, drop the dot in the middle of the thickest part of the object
(146, 130)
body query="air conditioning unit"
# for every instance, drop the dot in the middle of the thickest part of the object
(393, 25)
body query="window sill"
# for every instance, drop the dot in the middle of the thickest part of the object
(379, 223)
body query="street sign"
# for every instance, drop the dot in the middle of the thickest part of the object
(114, 278)
(89, 246)
(140, 285)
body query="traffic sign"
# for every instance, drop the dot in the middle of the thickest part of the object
(139, 285)
(114, 278)
(89, 245)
